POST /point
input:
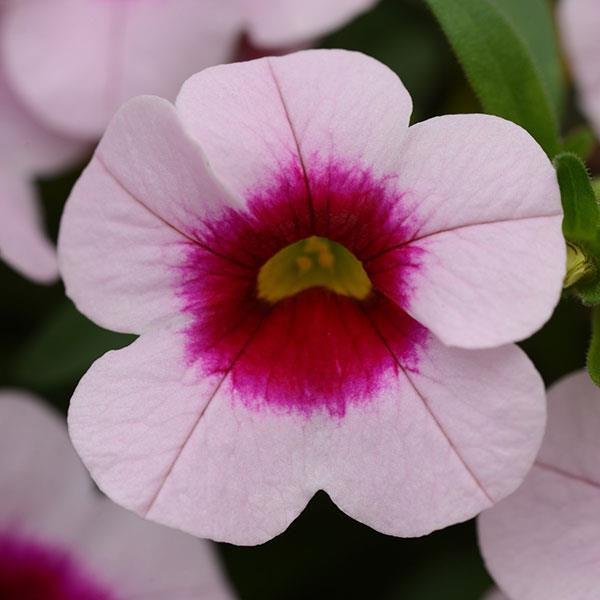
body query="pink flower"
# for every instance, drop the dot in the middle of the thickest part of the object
(580, 24)
(310, 277)
(280, 23)
(27, 148)
(542, 542)
(59, 540)
(74, 62)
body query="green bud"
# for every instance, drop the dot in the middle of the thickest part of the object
(578, 265)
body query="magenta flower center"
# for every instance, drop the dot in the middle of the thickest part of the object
(33, 571)
(322, 332)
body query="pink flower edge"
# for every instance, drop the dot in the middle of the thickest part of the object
(542, 541)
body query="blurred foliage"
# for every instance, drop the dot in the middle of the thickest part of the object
(593, 357)
(63, 348)
(46, 345)
(580, 141)
(533, 21)
(500, 63)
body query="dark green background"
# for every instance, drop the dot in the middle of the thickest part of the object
(46, 346)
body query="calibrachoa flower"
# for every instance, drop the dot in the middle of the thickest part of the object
(59, 540)
(309, 277)
(580, 23)
(27, 148)
(74, 62)
(495, 595)
(542, 542)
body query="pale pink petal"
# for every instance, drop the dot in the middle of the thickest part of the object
(137, 410)
(486, 221)
(275, 23)
(57, 58)
(76, 61)
(164, 43)
(444, 443)
(130, 214)
(27, 146)
(579, 21)
(309, 108)
(46, 496)
(23, 243)
(178, 447)
(542, 542)
(38, 463)
(146, 561)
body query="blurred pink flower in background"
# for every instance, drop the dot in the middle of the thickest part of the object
(67, 65)
(393, 390)
(542, 543)
(580, 25)
(59, 540)
(74, 62)
(28, 148)
(284, 23)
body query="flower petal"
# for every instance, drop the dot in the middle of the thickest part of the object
(26, 145)
(166, 442)
(279, 23)
(164, 43)
(56, 56)
(542, 542)
(38, 462)
(23, 243)
(446, 442)
(487, 225)
(327, 104)
(128, 217)
(580, 22)
(177, 446)
(145, 560)
(147, 47)
(46, 495)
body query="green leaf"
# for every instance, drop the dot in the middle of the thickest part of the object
(499, 65)
(582, 217)
(580, 141)
(593, 358)
(533, 20)
(63, 349)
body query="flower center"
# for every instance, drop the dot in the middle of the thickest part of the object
(312, 262)
(286, 319)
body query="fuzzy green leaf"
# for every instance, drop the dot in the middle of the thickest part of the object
(582, 217)
(499, 65)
